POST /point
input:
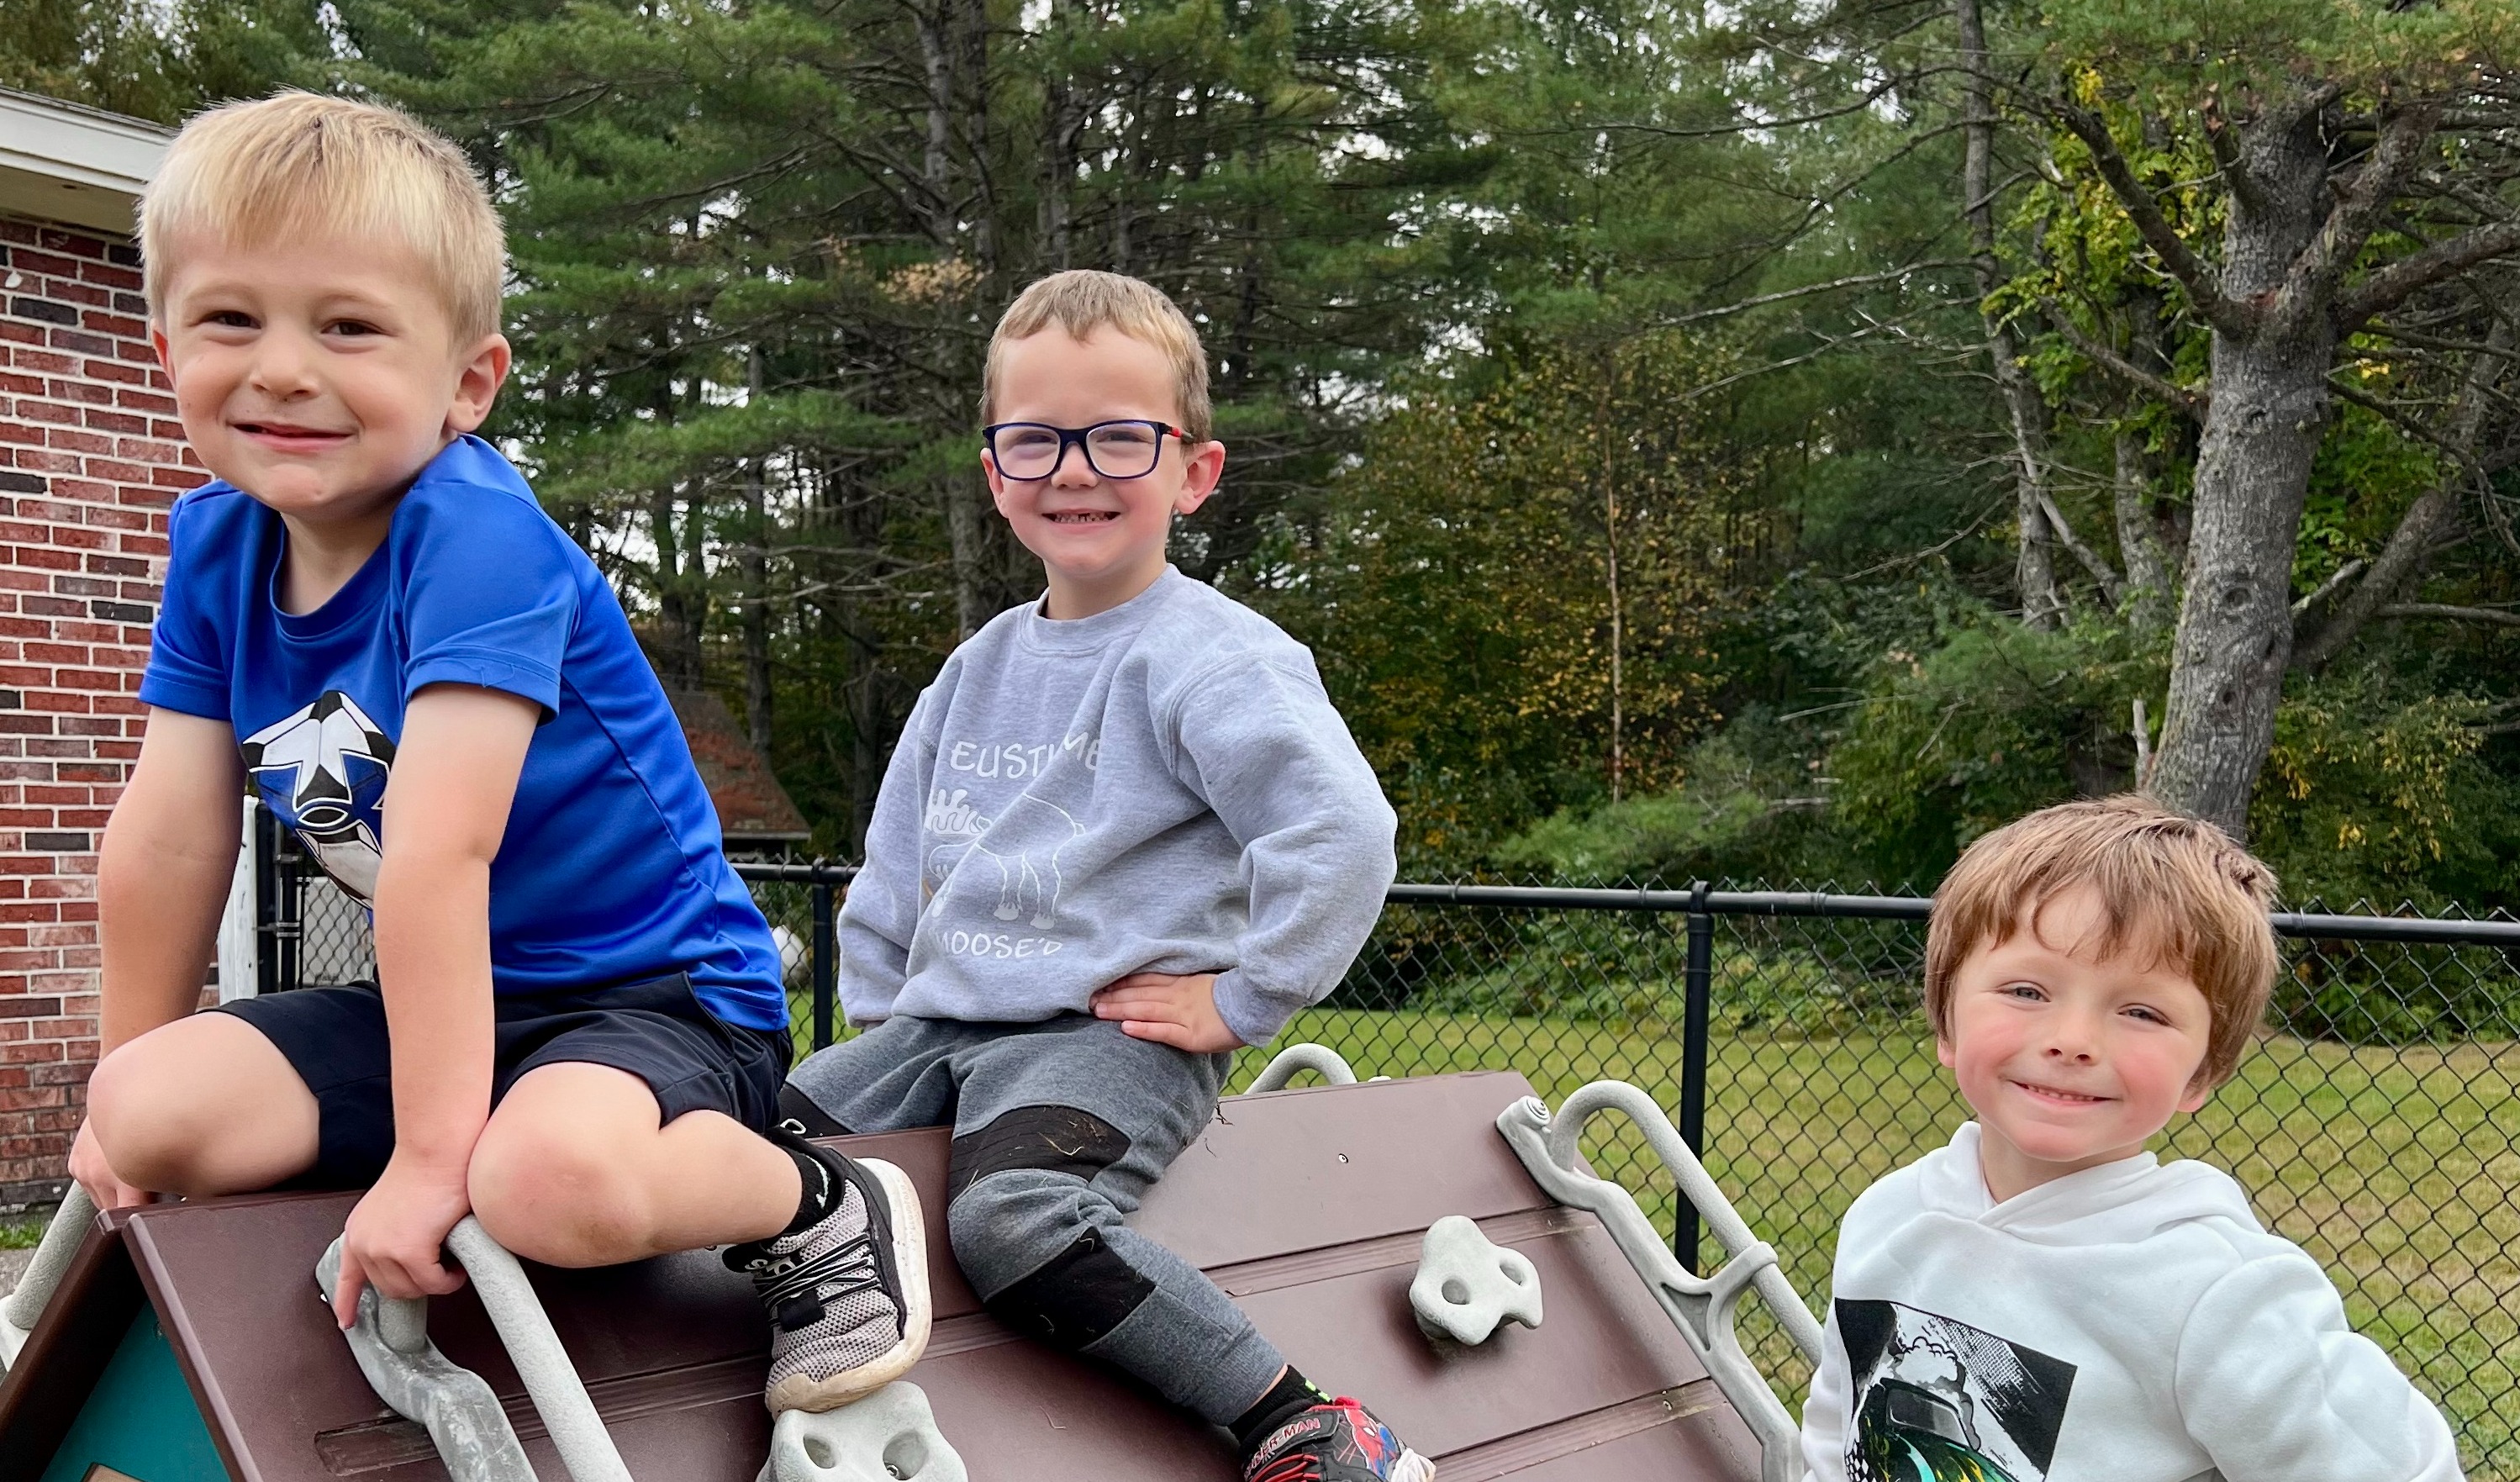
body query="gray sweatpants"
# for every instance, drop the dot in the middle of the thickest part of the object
(1060, 1128)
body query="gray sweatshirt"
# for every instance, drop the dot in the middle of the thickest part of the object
(1160, 787)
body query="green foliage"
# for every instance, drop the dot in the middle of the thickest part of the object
(156, 62)
(2378, 790)
(1461, 583)
(1468, 273)
(1996, 720)
(1750, 805)
(2173, 48)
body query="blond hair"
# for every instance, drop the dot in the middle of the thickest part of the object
(1082, 300)
(2178, 887)
(299, 165)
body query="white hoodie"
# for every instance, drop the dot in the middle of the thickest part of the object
(2130, 1322)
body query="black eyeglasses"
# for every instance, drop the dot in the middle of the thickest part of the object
(1127, 448)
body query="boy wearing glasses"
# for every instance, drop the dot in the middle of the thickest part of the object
(1124, 835)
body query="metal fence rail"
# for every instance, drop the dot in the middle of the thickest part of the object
(2377, 1123)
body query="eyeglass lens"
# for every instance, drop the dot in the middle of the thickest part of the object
(1116, 449)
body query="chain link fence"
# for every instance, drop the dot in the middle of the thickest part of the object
(2377, 1123)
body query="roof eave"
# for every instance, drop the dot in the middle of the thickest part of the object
(60, 161)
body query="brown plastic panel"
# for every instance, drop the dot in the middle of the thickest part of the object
(1306, 1207)
(1327, 1165)
(67, 1353)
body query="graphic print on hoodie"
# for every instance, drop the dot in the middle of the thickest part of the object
(1939, 1401)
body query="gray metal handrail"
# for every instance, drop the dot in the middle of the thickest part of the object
(27, 1301)
(1321, 1059)
(1704, 1309)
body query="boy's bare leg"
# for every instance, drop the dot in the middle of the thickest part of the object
(574, 1170)
(203, 1106)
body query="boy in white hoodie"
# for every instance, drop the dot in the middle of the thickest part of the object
(2043, 1300)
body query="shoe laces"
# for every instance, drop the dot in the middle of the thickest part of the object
(848, 1267)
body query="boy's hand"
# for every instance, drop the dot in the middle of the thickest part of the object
(93, 1174)
(1170, 1009)
(397, 1237)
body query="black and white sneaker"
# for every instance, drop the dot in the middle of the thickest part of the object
(850, 1309)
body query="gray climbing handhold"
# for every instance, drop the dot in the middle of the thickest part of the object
(391, 1342)
(1467, 1284)
(889, 1436)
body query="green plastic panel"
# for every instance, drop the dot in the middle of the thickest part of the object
(140, 1420)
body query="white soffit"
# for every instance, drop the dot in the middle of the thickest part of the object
(80, 165)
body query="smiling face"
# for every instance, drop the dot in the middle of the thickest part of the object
(319, 376)
(2071, 1058)
(1101, 540)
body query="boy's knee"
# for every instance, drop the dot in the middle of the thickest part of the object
(557, 1198)
(1039, 1263)
(144, 1129)
(1018, 1188)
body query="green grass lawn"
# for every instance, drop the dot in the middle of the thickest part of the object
(2397, 1168)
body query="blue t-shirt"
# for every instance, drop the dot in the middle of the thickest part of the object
(612, 870)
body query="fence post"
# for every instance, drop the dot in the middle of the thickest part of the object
(822, 965)
(275, 904)
(1698, 988)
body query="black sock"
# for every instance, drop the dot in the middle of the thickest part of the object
(1287, 1399)
(818, 1191)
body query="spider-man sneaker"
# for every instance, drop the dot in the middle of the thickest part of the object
(1335, 1442)
(850, 1308)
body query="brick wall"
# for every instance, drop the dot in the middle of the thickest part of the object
(91, 456)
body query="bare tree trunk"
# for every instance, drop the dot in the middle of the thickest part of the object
(975, 135)
(969, 514)
(2147, 568)
(681, 611)
(756, 590)
(2262, 431)
(2042, 603)
(1059, 124)
(1618, 626)
(936, 53)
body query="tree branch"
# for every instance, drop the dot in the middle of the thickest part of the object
(2393, 285)
(2111, 587)
(2201, 280)
(2314, 277)
(2400, 563)
(2328, 588)
(2161, 388)
(1855, 280)
(2494, 616)
(2227, 154)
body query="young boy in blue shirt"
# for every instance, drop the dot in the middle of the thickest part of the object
(578, 1031)
(1124, 833)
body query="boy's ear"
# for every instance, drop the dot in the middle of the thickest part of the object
(157, 342)
(477, 382)
(997, 485)
(1200, 470)
(2201, 1090)
(1944, 1052)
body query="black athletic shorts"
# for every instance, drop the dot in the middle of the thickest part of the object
(334, 1039)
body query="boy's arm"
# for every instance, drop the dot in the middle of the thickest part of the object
(161, 879)
(445, 813)
(2276, 1386)
(1273, 758)
(879, 914)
